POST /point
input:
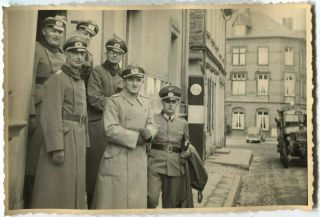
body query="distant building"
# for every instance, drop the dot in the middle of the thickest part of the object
(266, 70)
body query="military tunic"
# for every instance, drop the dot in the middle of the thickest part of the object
(165, 172)
(122, 179)
(103, 82)
(62, 186)
(47, 60)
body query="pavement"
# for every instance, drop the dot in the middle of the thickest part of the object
(225, 169)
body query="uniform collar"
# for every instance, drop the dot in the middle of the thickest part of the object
(167, 117)
(108, 66)
(131, 99)
(72, 72)
(53, 49)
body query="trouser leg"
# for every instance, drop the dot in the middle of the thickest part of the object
(173, 191)
(154, 188)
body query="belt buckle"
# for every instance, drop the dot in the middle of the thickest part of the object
(169, 148)
(82, 119)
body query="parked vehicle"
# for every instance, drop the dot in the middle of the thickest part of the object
(254, 134)
(292, 134)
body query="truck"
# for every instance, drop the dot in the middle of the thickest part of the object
(292, 134)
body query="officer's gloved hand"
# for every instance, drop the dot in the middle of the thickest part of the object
(141, 140)
(57, 157)
(145, 134)
(185, 154)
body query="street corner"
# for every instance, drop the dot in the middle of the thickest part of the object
(232, 157)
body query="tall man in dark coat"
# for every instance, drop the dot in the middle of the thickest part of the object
(104, 81)
(48, 58)
(166, 172)
(60, 177)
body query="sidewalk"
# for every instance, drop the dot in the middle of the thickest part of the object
(225, 170)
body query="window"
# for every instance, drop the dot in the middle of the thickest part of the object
(288, 56)
(263, 84)
(238, 56)
(263, 56)
(238, 120)
(263, 120)
(238, 84)
(289, 84)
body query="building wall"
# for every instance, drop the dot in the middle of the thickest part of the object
(276, 68)
(206, 59)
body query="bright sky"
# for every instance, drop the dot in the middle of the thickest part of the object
(278, 13)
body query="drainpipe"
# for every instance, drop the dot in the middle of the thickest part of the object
(226, 19)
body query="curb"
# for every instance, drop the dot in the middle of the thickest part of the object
(233, 193)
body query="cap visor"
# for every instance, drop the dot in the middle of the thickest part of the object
(58, 28)
(135, 75)
(170, 97)
(115, 49)
(76, 49)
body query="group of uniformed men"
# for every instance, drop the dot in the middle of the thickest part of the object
(93, 139)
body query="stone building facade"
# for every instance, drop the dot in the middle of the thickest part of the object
(266, 70)
(207, 79)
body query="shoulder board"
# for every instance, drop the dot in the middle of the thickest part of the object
(144, 96)
(156, 114)
(115, 95)
(59, 72)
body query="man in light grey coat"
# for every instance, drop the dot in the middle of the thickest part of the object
(129, 125)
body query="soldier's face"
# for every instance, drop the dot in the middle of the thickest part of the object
(75, 58)
(170, 105)
(114, 56)
(52, 36)
(133, 84)
(85, 34)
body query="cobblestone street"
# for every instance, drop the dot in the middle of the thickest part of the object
(267, 182)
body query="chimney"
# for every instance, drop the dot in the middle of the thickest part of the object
(287, 22)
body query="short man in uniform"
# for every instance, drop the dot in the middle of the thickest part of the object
(128, 126)
(104, 81)
(88, 29)
(165, 170)
(60, 177)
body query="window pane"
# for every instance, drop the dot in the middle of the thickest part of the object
(263, 55)
(242, 59)
(288, 56)
(235, 59)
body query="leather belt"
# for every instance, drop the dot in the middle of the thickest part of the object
(76, 118)
(41, 80)
(167, 148)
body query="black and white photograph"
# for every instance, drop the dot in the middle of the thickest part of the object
(158, 109)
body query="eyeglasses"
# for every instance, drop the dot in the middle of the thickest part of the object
(112, 52)
(173, 101)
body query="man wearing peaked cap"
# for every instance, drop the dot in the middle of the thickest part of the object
(76, 43)
(60, 177)
(104, 81)
(128, 126)
(57, 22)
(88, 29)
(133, 70)
(48, 58)
(117, 44)
(169, 148)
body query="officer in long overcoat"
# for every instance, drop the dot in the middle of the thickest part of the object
(129, 125)
(88, 29)
(48, 59)
(104, 81)
(60, 177)
(166, 169)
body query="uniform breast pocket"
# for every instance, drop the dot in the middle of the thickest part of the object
(180, 134)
